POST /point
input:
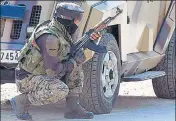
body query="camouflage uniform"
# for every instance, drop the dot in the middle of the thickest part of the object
(37, 72)
(45, 74)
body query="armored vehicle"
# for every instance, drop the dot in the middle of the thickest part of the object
(140, 42)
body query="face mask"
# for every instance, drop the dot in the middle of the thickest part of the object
(70, 26)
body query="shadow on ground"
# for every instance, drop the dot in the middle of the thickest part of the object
(122, 103)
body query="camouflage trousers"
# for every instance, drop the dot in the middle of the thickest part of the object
(42, 90)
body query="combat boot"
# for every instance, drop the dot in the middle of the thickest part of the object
(20, 106)
(74, 110)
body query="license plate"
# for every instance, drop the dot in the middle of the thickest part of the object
(9, 56)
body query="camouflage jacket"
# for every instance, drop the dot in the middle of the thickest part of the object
(45, 49)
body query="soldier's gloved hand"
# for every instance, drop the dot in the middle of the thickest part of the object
(74, 62)
(79, 57)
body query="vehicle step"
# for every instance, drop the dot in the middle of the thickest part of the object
(144, 76)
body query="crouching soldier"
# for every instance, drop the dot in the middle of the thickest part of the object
(42, 76)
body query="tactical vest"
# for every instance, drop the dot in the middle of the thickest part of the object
(30, 58)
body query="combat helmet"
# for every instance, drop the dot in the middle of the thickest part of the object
(68, 11)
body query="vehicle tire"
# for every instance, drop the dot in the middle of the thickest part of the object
(98, 96)
(164, 87)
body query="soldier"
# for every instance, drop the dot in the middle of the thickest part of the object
(42, 76)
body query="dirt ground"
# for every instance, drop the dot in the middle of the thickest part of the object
(136, 102)
(143, 88)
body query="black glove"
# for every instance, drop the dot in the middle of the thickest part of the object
(79, 57)
(75, 61)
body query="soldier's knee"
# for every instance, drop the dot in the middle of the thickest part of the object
(44, 97)
(58, 95)
(60, 91)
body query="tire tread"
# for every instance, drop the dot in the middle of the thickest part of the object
(89, 99)
(164, 87)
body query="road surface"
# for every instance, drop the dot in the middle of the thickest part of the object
(136, 102)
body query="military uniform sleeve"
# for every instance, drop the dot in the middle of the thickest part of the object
(49, 47)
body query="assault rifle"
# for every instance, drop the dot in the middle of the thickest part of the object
(85, 42)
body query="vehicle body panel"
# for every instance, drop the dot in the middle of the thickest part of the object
(166, 30)
(143, 28)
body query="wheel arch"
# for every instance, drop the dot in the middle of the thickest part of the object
(166, 30)
(115, 31)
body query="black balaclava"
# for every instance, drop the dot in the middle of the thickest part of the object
(70, 26)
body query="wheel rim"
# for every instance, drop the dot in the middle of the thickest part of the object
(109, 74)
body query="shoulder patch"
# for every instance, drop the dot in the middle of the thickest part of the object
(52, 45)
